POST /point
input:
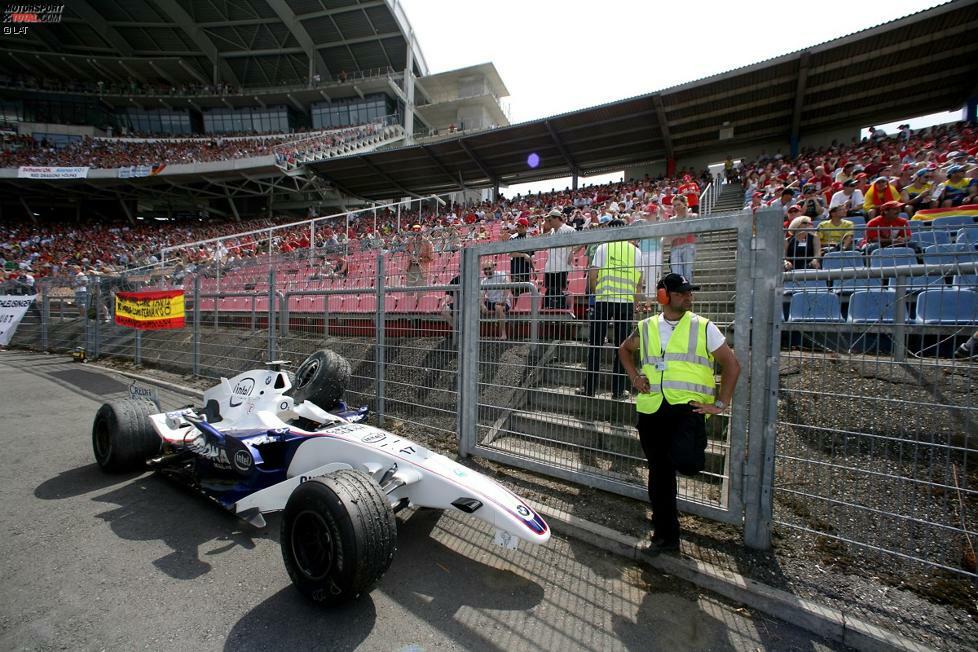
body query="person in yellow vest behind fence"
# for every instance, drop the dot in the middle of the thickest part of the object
(677, 392)
(615, 281)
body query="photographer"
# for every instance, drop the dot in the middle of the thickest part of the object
(812, 203)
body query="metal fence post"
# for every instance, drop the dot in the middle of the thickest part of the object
(271, 314)
(97, 329)
(137, 357)
(900, 319)
(381, 328)
(195, 336)
(45, 317)
(468, 364)
(766, 299)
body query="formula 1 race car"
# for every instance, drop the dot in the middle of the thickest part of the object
(262, 444)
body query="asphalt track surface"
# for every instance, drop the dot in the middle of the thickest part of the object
(91, 561)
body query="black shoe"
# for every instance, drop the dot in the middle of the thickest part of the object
(659, 545)
(966, 350)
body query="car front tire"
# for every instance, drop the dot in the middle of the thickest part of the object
(338, 536)
(123, 437)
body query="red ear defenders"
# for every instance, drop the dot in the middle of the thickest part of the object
(662, 296)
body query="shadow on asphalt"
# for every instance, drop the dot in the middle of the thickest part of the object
(287, 621)
(149, 508)
(82, 480)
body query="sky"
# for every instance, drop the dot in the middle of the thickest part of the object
(557, 56)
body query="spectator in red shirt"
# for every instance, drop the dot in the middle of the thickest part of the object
(888, 230)
(691, 190)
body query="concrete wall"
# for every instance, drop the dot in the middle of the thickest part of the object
(472, 117)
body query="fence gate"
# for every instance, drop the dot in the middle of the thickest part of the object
(518, 403)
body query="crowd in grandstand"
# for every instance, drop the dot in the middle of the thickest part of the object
(834, 183)
(24, 150)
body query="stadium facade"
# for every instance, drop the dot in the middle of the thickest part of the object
(102, 68)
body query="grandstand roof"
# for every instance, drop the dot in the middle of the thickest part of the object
(250, 43)
(919, 64)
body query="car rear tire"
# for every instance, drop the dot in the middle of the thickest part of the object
(122, 435)
(338, 536)
(321, 378)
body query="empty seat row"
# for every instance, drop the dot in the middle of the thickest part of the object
(946, 306)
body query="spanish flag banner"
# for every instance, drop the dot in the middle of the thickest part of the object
(970, 210)
(152, 311)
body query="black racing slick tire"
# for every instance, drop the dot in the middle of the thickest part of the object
(338, 536)
(322, 378)
(123, 437)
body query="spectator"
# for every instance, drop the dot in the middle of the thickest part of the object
(682, 248)
(616, 280)
(849, 197)
(920, 190)
(449, 306)
(957, 189)
(560, 261)
(836, 233)
(802, 249)
(785, 201)
(521, 262)
(496, 299)
(888, 230)
(691, 191)
(420, 255)
(881, 192)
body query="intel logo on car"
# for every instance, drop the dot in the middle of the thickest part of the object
(242, 460)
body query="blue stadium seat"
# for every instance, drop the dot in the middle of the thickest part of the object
(892, 257)
(947, 306)
(968, 235)
(951, 222)
(965, 281)
(925, 238)
(872, 306)
(815, 306)
(853, 261)
(807, 285)
(950, 253)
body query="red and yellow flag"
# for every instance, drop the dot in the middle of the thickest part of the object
(154, 310)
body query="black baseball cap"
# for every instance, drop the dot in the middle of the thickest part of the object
(676, 283)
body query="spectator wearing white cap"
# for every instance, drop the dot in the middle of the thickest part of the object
(560, 261)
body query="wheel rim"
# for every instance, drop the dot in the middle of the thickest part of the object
(305, 373)
(103, 442)
(312, 545)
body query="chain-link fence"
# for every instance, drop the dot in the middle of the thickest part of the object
(851, 423)
(877, 431)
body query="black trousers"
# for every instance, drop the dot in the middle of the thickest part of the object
(619, 316)
(657, 432)
(556, 284)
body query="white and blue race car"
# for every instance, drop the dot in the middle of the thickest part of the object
(260, 444)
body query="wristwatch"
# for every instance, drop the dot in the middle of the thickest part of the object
(719, 404)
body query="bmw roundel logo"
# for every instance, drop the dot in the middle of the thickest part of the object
(524, 511)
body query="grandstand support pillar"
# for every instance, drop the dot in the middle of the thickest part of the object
(234, 209)
(800, 88)
(574, 179)
(670, 167)
(380, 355)
(30, 213)
(971, 110)
(125, 209)
(495, 189)
(409, 91)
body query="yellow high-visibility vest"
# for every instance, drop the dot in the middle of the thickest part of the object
(618, 277)
(683, 372)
